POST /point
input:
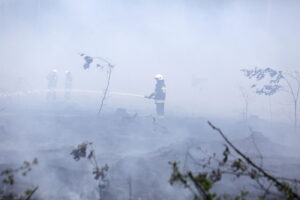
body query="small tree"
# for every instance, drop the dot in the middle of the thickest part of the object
(86, 150)
(104, 65)
(278, 81)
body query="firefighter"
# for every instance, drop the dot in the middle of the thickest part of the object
(68, 84)
(159, 95)
(52, 83)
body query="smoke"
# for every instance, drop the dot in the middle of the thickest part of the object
(198, 45)
(179, 39)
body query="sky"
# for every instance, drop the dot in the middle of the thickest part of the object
(198, 45)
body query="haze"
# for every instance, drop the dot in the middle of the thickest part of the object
(200, 42)
(199, 46)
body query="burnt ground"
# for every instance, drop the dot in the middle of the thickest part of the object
(137, 149)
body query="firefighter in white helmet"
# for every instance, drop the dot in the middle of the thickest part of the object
(52, 83)
(159, 95)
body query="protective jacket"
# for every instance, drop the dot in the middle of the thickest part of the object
(159, 95)
(52, 80)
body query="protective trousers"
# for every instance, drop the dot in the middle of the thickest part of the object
(160, 110)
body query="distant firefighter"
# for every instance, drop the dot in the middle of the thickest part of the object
(159, 96)
(52, 83)
(68, 84)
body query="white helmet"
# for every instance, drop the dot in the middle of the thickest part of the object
(54, 70)
(159, 77)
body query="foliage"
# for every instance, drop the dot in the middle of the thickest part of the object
(88, 61)
(235, 164)
(99, 62)
(272, 86)
(86, 150)
(288, 81)
(8, 180)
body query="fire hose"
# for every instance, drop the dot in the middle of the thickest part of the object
(30, 92)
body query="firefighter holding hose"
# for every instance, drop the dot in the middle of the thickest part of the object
(159, 96)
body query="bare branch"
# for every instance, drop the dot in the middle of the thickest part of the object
(278, 184)
(198, 186)
(106, 89)
(256, 147)
(31, 193)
